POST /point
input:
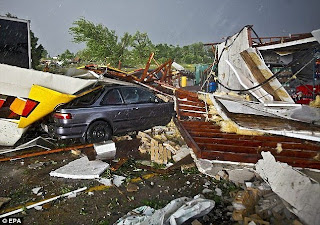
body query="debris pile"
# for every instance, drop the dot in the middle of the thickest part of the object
(298, 190)
(163, 143)
(259, 204)
(219, 126)
(272, 193)
(216, 115)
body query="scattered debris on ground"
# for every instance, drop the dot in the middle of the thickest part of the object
(225, 158)
(237, 192)
(298, 190)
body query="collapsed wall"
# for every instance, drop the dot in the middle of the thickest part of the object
(241, 67)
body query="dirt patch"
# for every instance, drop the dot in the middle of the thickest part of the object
(103, 205)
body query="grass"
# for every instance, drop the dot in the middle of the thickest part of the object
(165, 177)
(114, 202)
(18, 193)
(227, 187)
(217, 199)
(107, 174)
(155, 203)
(190, 171)
(158, 166)
(65, 190)
(82, 212)
(104, 222)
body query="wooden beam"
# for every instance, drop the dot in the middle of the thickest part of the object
(193, 103)
(192, 114)
(46, 152)
(188, 139)
(241, 148)
(183, 107)
(244, 137)
(145, 72)
(256, 143)
(256, 72)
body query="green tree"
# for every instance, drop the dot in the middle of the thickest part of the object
(142, 47)
(101, 43)
(66, 55)
(163, 52)
(123, 53)
(45, 54)
(36, 51)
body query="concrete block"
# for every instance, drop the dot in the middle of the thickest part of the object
(105, 150)
(181, 154)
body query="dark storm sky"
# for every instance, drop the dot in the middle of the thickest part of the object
(166, 21)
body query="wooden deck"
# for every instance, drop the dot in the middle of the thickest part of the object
(208, 142)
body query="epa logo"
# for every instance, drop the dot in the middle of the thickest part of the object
(12, 220)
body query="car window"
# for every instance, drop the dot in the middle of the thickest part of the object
(87, 99)
(146, 96)
(137, 95)
(112, 98)
(130, 95)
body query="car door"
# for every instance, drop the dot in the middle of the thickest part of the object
(115, 111)
(144, 111)
(131, 100)
(151, 108)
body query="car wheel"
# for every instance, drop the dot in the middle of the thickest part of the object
(98, 131)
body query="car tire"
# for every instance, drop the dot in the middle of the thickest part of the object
(98, 131)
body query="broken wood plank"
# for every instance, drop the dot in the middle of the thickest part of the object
(191, 108)
(245, 137)
(205, 129)
(257, 143)
(119, 164)
(189, 140)
(188, 102)
(191, 114)
(257, 150)
(44, 152)
(256, 72)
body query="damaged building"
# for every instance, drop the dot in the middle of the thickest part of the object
(264, 114)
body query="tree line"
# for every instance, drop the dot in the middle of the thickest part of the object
(104, 46)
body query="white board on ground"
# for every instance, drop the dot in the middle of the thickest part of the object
(81, 169)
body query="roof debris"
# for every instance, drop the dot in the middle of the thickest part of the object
(301, 192)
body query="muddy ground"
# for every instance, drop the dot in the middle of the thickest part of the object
(105, 205)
